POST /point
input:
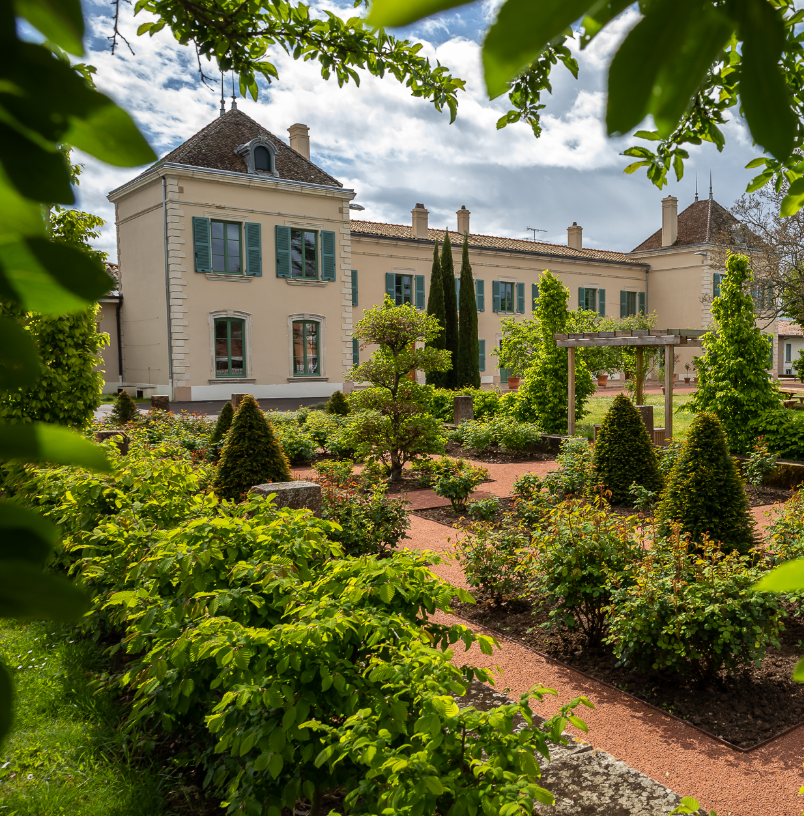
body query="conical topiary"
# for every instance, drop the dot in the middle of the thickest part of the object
(223, 424)
(624, 453)
(337, 404)
(252, 454)
(435, 308)
(451, 340)
(125, 409)
(704, 493)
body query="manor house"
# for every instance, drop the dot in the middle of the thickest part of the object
(241, 269)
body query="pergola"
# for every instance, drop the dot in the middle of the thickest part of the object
(669, 338)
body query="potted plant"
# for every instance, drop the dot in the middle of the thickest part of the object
(602, 378)
(687, 366)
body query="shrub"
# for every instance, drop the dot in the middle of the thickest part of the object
(252, 454)
(486, 403)
(299, 446)
(322, 427)
(485, 509)
(575, 475)
(692, 613)
(760, 463)
(504, 431)
(125, 409)
(492, 558)
(783, 432)
(704, 494)
(575, 556)
(667, 457)
(785, 535)
(457, 483)
(337, 404)
(477, 436)
(624, 453)
(223, 424)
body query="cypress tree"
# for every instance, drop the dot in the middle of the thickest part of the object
(704, 493)
(624, 452)
(451, 340)
(467, 370)
(252, 454)
(223, 424)
(435, 308)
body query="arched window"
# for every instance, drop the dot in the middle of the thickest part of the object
(262, 159)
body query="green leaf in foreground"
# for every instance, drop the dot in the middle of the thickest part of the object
(19, 359)
(27, 591)
(389, 13)
(788, 577)
(24, 534)
(61, 21)
(39, 442)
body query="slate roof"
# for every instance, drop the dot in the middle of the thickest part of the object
(214, 146)
(380, 230)
(703, 222)
(787, 328)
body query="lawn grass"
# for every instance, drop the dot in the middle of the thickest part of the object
(66, 754)
(599, 405)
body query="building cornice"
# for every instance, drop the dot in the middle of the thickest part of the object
(210, 174)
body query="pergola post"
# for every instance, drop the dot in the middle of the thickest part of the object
(639, 364)
(571, 392)
(668, 392)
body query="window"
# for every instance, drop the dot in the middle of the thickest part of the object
(262, 159)
(305, 348)
(405, 289)
(632, 303)
(303, 261)
(589, 300)
(594, 300)
(226, 248)
(507, 296)
(788, 352)
(717, 280)
(230, 359)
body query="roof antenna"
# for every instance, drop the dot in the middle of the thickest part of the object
(534, 231)
(710, 185)
(234, 98)
(223, 104)
(696, 185)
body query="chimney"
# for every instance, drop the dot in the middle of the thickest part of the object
(669, 220)
(463, 220)
(300, 139)
(419, 226)
(575, 236)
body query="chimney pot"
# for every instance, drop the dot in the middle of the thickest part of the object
(300, 139)
(463, 220)
(669, 221)
(575, 236)
(419, 226)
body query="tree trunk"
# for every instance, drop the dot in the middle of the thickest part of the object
(396, 468)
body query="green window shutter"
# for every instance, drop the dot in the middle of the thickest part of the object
(717, 280)
(520, 298)
(623, 303)
(202, 250)
(458, 292)
(282, 251)
(419, 291)
(327, 255)
(581, 297)
(495, 295)
(355, 351)
(390, 286)
(481, 350)
(641, 302)
(480, 295)
(253, 249)
(354, 287)
(601, 302)
(534, 295)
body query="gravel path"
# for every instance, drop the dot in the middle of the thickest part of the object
(764, 782)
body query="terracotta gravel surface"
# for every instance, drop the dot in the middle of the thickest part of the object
(764, 782)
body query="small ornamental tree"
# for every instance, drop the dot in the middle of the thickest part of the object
(223, 424)
(542, 396)
(467, 371)
(437, 309)
(337, 404)
(704, 494)
(125, 409)
(390, 423)
(451, 337)
(624, 452)
(252, 454)
(733, 380)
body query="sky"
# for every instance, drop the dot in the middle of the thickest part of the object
(395, 150)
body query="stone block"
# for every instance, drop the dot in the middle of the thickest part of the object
(646, 412)
(160, 402)
(295, 495)
(597, 431)
(463, 408)
(237, 399)
(118, 437)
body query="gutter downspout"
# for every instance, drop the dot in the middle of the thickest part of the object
(119, 340)
(167, 289)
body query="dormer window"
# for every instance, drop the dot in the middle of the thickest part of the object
(260, 156)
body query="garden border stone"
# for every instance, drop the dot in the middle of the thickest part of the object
(294, 495)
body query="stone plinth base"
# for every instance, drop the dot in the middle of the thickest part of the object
(463, 409)
(646, 412)
(237, 399)
(161, 402)
(295, 495)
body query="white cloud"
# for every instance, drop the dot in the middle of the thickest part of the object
(395, 150)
